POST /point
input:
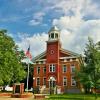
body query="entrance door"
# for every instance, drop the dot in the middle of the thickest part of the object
(52, 84)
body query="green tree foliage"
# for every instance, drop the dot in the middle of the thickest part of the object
(90, 71)
(11, 69)
(20, 53)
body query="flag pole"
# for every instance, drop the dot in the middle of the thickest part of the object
(28, 75)
(28, 57)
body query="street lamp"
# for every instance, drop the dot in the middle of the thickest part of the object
(33, 83)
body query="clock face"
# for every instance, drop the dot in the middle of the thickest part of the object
(51, 51)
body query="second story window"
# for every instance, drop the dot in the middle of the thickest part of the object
(51, 68)
(64, 68)
(72, 68)
(38, 70)
(44, 70)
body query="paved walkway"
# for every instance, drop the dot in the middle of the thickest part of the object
(8, 98)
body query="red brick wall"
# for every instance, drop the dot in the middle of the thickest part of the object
(41, 75)
(68, 74)
(55, 74)
(52, 58)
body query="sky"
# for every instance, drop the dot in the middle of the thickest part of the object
(28, 22)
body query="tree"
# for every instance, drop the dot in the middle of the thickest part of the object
(10, 68)
(20, 56)
(19, 52)
(90, 71)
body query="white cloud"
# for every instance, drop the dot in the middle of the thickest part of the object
(75, 32)
(34, 22)
(73, 40)
(91, 9)
(67, 22)
(37, 18)
(37, 43)
(74, 29)
(38, 15)
(83, 8)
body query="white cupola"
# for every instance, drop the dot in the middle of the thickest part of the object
(54, 33)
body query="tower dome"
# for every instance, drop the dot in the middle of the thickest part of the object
(54, 33)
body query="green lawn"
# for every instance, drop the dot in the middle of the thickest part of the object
(73, 97)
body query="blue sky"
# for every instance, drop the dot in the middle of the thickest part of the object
(28, 22)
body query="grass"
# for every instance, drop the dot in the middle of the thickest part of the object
(73, 97)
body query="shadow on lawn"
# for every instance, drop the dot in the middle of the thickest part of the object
(64, 98)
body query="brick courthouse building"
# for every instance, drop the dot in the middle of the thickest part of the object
(56, 67)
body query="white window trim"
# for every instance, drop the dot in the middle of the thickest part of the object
(43, 80)
(43, 70)
(36, 81)
(63, 68)
(72, 81)
(37, 70)
(63, 81)
(53, 68)
(72, 68)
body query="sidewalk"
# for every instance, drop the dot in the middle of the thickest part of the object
(8, 98)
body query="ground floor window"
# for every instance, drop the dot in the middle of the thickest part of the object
(38, 81)
(73, 82)
(64, 81)
(44, 81)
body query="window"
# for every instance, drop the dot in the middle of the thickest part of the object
(44, 81)
(38, 70)
(56, 35)
(52, 35)
(73, 82)
(38, 81)
(64, 81)
(49, 35)
(52, 68)
(74, 59)
(44, 70)
(72, 68)
(64, 68)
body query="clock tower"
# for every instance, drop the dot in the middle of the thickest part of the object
(53, 45)
(52, 55)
